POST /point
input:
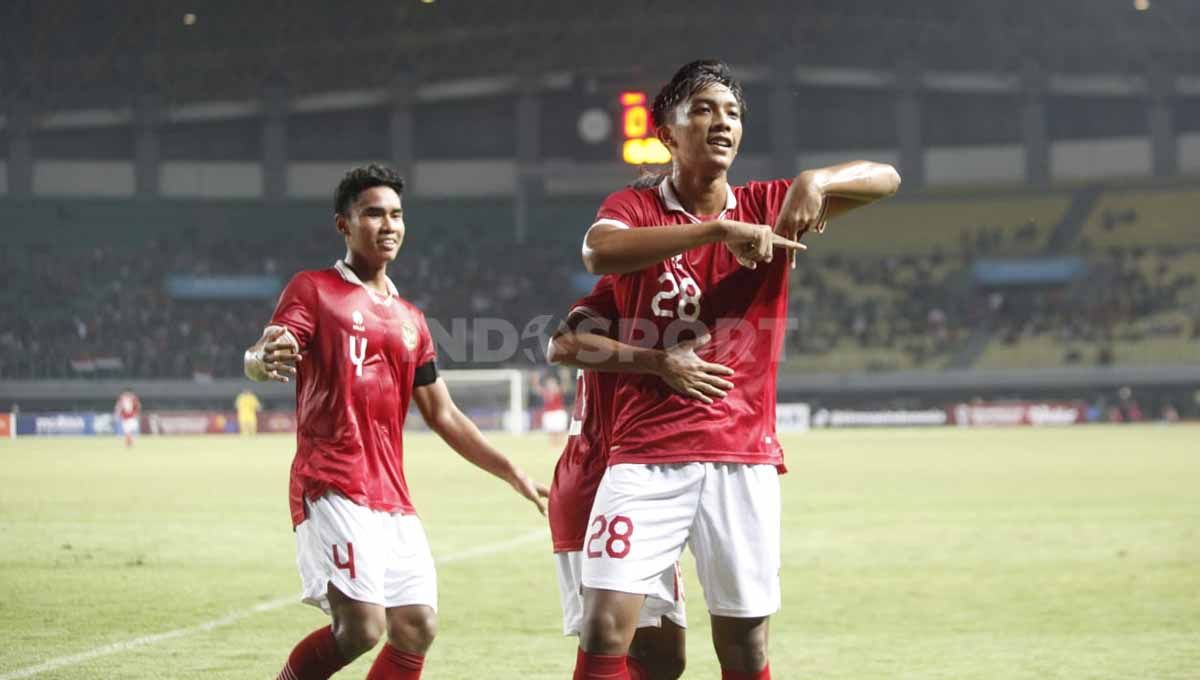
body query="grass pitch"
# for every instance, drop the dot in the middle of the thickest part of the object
(1013, 554)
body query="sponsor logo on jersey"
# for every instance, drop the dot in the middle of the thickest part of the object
(357, 318)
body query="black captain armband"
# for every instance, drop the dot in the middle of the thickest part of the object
(426, 374)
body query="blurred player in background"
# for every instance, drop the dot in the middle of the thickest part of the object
(128, 414)
(360, 353)
(247, 406)
(586, 341)
(554, 408)
(697, 257)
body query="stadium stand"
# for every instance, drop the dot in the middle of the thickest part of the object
(1136, 307)
(1168, 217)
(883, 290)
(1016, 224)
(82, 305)
(873, 314)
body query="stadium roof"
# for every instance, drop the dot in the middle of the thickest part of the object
(67, 53)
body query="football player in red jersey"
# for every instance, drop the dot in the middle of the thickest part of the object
(128, 412)
(697, 257)
(554, 408)
(360, 353)
(658, 650)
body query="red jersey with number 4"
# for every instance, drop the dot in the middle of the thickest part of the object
(701, 291)
(583, 461)
(360, 350)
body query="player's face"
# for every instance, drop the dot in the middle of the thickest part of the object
(374, 230)
(707, 130)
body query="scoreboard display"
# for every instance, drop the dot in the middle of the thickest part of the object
(639, 146)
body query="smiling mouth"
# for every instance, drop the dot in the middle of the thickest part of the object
(389, 243)
(721, 143)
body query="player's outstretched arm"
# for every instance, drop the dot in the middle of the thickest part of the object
(273, 357)
(819, 195)
(442, 415)
(679, 366)
(610, 249)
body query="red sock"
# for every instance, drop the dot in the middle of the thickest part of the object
(636, 670)
(600, 667)
(393, 664)
(315, 658)
(764, 674)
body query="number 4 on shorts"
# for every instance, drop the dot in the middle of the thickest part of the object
(348, 565)
(620, 530)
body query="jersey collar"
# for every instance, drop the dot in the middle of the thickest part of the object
(667, 193)
(349, 275)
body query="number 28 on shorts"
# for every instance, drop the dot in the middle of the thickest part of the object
(620, 532)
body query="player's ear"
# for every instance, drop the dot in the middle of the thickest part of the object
(339, 223)
(665, 137)
(663, 133)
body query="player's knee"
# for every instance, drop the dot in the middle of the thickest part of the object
(357, 635)
(602, 633)
(413, 631)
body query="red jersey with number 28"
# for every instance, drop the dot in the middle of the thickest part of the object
(583, 461)
(704, 290)
(360, 349)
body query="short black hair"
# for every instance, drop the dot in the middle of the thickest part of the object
(359, 180)
(648, 180)
(690, 79)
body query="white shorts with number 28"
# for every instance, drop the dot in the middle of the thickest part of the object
(728, 513)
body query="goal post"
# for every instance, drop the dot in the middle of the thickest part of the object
(494, 398)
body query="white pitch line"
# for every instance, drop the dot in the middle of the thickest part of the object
(234, 617)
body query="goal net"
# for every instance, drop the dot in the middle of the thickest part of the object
(495, 399)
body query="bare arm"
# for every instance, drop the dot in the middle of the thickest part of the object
(273, 357)
(678, 366)
(817, 196)
(443, 417)
(862, 181)
(609, 249)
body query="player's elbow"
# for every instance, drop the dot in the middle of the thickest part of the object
(891, 178)
(887, 179)
(596, 256)
(443, 422)
(593, 261)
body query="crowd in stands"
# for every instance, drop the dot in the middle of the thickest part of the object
(1130, 295)
(104, 310)
(901, 303)
(984, 241)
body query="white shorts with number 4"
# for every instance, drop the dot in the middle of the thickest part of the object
(368, 555)
(570, 590)
(728, 513)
